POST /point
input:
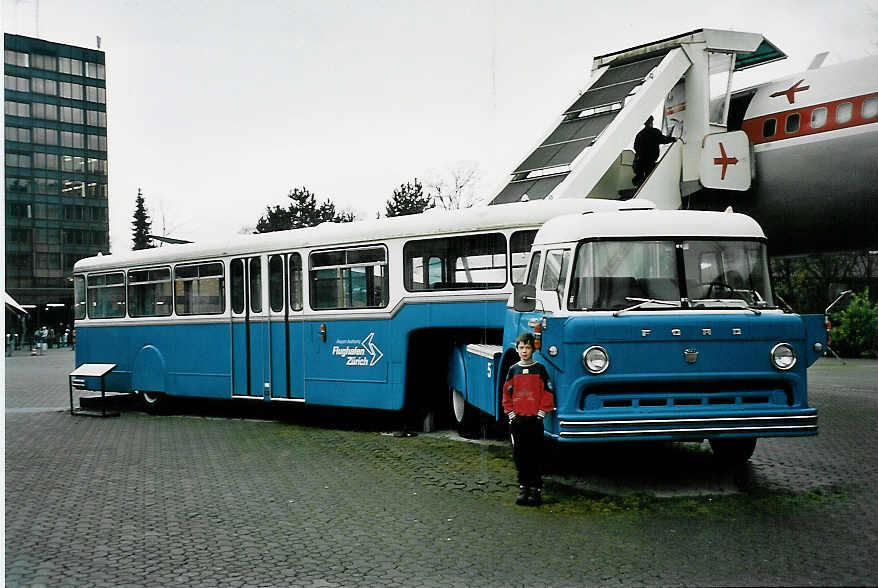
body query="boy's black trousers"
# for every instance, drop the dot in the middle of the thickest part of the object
(527, 449)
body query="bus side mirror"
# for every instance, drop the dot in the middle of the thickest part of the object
(524, 297)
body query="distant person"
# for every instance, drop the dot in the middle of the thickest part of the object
(527, 397)
(646, 150)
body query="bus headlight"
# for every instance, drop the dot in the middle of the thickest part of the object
(783, 356)
(595, 359)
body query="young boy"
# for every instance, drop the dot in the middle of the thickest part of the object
(527, 397)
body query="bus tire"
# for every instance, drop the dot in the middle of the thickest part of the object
(466, 416)
(152, 401)
(733, 452)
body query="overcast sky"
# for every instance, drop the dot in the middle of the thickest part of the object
(217, 108)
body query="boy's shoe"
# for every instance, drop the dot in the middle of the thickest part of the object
(523, 496)
(535, 497)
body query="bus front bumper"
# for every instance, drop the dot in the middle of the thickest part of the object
(691, 427)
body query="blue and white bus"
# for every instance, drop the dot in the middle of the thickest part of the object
(654, 325)
(359, 314)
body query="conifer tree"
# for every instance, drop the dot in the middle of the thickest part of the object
(142, 225)
(303, 211)
(409, 198)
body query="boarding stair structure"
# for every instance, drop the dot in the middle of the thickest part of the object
(688, 78)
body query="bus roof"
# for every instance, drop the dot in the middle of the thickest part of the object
(429, 224)
(648, 223)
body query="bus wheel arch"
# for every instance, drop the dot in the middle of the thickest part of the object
(149, 377)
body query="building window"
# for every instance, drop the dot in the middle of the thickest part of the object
(350, 278)
(16, 83)
(18, 160)
(45, 136)
(15, 58)
(45, 161)
(18, 186)
(199, 288)
(70, 66)
(792, 123)
(13, 108)
(45, 111)
(18, 235)
(106, 295)
(844, 112)
(47, 62)
(70, 90)
(150, 292)
(19, 134)
(71, 139)
(870, 107)
(73, 188)
(96, 190)
(95, 70)
(44, 86)
(769, 127)
(71, 115)
(96, 118)
(47, 185)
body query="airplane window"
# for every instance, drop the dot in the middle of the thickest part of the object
(843, 112)
(818, 117)
(870, 107)
(768, 127)
(792, 124)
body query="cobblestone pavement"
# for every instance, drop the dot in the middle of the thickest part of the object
(182, 500)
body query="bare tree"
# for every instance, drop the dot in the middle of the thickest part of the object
(455, 186)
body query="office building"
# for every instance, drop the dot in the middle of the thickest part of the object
(56, 170)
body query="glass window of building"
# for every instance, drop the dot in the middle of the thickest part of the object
(13, 108)
(95, 70)
(71, 115)
(44, 86)
(18, 186)
(47, 62)
(18, 134)
(73, 187)
(16, 83)
(45, 111)
(45, 161)
(15, 58)
(91, 93)
(70, 90)
(45, 136)
(18, 160)
(70, 66)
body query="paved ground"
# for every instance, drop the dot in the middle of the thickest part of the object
(221, 500)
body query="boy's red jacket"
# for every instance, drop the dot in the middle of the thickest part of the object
(528, 390)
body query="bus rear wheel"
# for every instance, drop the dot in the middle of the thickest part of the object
(152, 401)
(466, 416)
(733, 452)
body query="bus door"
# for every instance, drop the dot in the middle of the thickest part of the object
(285, 308)
(250, 344)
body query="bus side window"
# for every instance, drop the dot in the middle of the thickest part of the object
(519, 247)
(236, 273)
(295, 281)
(533, 269)
(555, 272)
(255, 284)
(276, 283)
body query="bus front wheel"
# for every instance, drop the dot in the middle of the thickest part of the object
(152, 401)
(733, 452)
(466, 416)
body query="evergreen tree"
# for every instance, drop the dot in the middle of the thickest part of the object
(409, 198)
(303, 211)
(142, 225)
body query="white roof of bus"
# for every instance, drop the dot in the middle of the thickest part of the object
(432, 223)
(647, 223)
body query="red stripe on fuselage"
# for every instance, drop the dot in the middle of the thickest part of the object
(753, 126)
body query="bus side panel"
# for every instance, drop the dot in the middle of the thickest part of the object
(278, 359)
(197, 358)
(350, 366)
(239, 358)
(297, 359)
(107, 345)
(259, 357)
(481, 382)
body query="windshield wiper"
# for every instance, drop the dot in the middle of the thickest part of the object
(642, 301)
(725, 302)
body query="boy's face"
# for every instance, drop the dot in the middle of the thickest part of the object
(525, 351)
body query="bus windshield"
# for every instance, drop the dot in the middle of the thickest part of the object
(612, 275)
